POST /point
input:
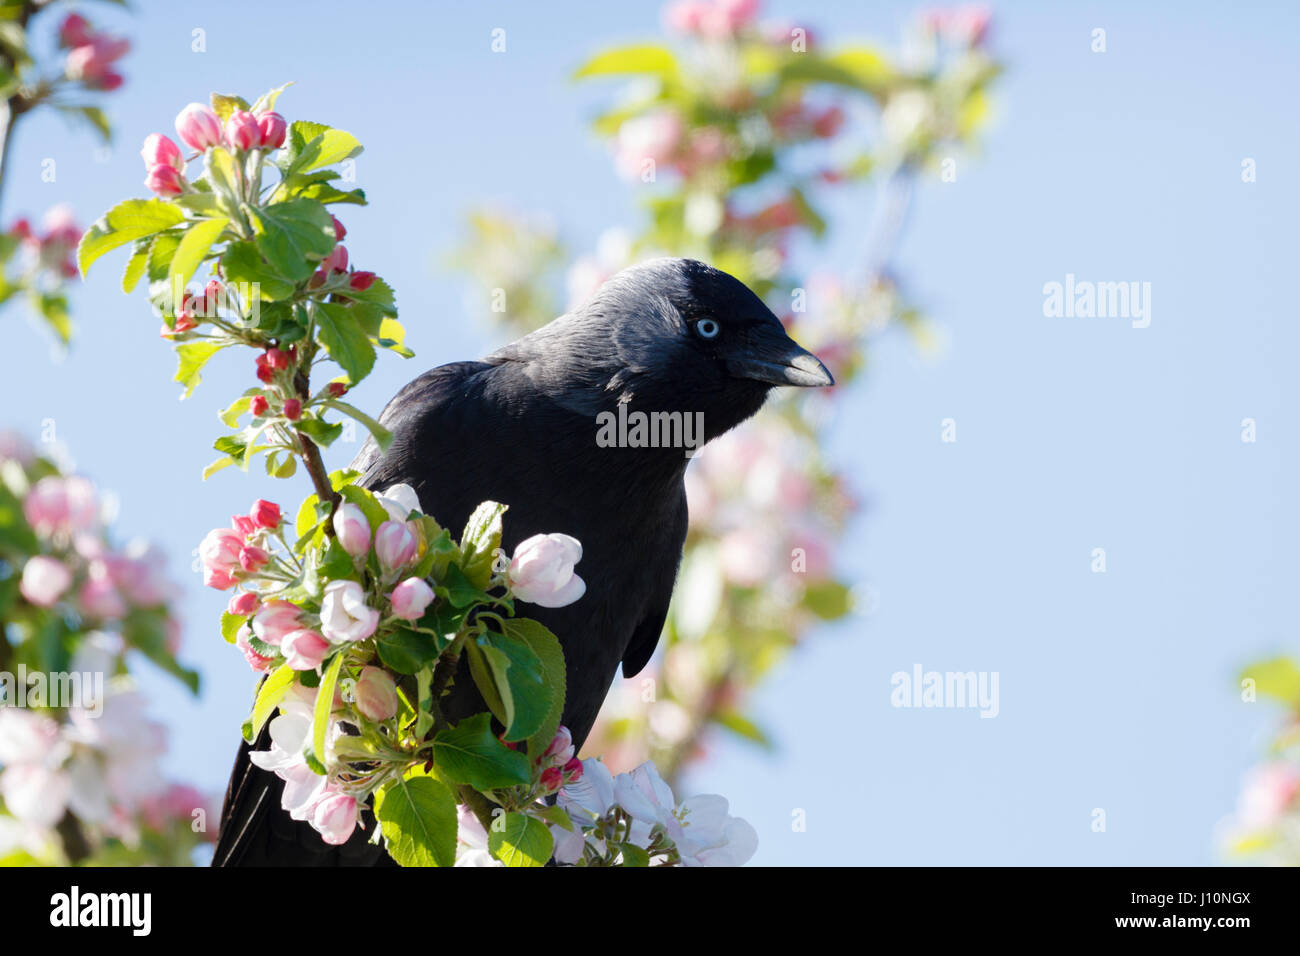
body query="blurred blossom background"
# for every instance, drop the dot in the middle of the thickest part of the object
(899, 183)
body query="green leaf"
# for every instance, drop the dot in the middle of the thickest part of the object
(742, 726)
(321, 432)
(829, 600)
(418, 817)
(488, 667)
(345, 340)
(550, 655)
(634, 855)
(530, 696)
(224, 105)
(193, 249)
(470, 753)
(193, 356)
(324, 706)
(135, 266)
(269, 695)
(517, 839)
(458, 590)
(267, 100)
(242, 263)
(132, 219)
(479, 542)
(383, 437)
(643, 58)
(230, 625)
(406, 650)
(294, 236)
(325, 149)
(1278, 678)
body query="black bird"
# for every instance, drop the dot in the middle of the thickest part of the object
(523, 427)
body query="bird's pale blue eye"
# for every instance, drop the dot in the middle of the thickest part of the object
(707, 329)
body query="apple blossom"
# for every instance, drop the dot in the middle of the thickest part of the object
(258, 405)
(303, 649)
(159, 150)
(395, 545)
(241, 130)
(75, 30)
(265, 514)
(344, 615)
(541, 570)
(58, 505)
(244, 603)
(376, 694)
(337, 260)
(44, 580)
(255, 660)
(472, 840)
(352, 529)
(411, 598)
(275, 620)
(219, 555)
(361, 281)
(198, 127)
(244, 525)
(335, 817)
(253, 559)
(272, 128)
(292, 409)
(399, 501)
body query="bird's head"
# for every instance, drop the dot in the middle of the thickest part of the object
(687, 336)
(668, 335)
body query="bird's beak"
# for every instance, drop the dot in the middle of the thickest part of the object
(777, 359)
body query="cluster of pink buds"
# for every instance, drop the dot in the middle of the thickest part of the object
(336, 263)
(558, 764)
(230, 554)
(53, 246)
(194, 308)
(200, 129)
(92, 55)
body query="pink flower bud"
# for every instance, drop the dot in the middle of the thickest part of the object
(562, 741)
(242, 131)
(198, 127)
(376, 694)
(395, 545)
(292, 409)
(243, 524)
(339, 231)
(164, 181)
(336, 389)
(255, 660)
(274, 621)
(410, 598)
(265, 514)
(552, 779)
(272, 128)
(361, 281)
(541, 570)
(278, 359)
(253, 559)
(352, 530)
(243, 603)
(259, 406)
(219, 554)
(573, 770)
(44, 580)
(336, 261)
(159, 150)
(74, 31)
(335, 817)
(303, 650)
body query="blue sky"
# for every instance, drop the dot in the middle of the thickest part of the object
(1117, 690)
